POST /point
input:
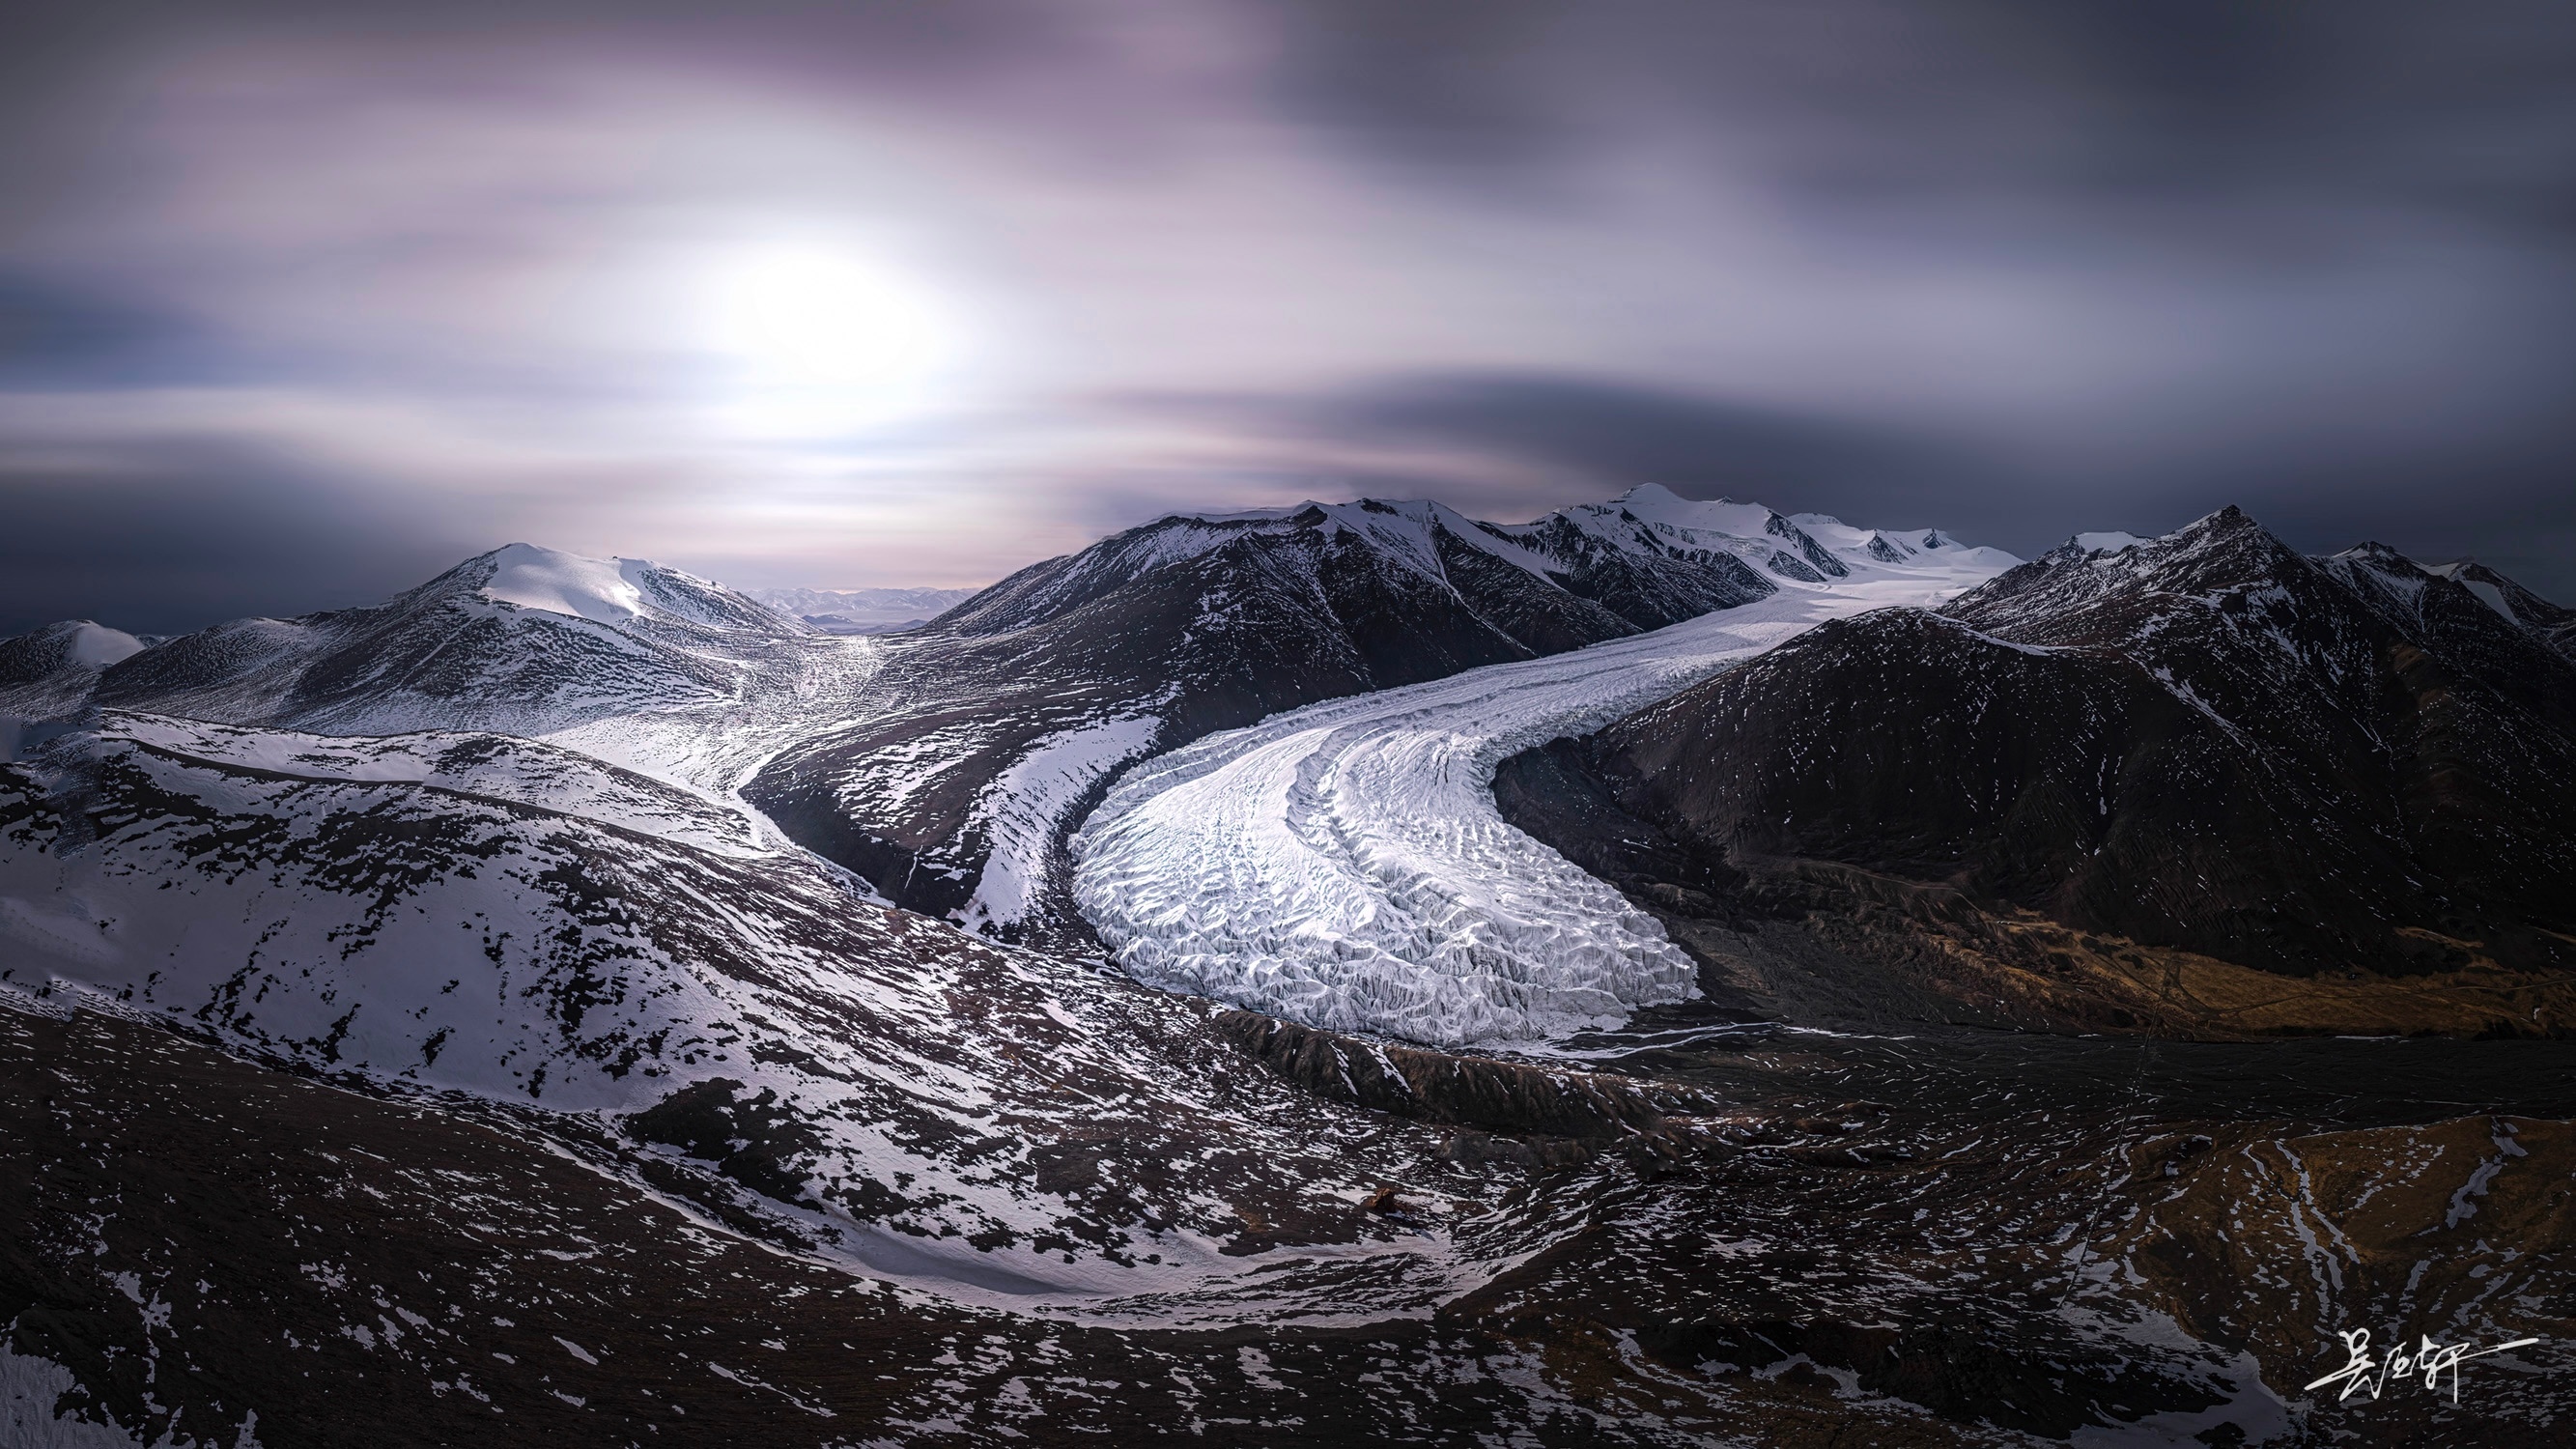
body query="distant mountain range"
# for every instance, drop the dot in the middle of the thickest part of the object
(862, 611)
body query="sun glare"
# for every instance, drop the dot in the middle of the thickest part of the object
(823, 340)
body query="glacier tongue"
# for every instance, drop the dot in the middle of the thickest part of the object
(1344, 865)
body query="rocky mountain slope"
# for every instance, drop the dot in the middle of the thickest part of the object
(2552, 622)
(50, 674)
(2119, 786)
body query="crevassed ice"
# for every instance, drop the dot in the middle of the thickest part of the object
(1344, 865)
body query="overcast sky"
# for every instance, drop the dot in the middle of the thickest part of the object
(302, 303)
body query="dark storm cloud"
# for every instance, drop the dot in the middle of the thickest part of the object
(305, 276)
(170, 539)
(1608, 436)
(2233, 149)
(1956, 100)
(1509, 445)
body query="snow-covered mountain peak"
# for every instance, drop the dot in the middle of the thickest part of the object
(96, 646)
(1655, 503)
(2224, 575)
(50, 671)
(2504, 595)
(596, 589)
(524, 639)
(2222, 553)
(2555, 624)
(617, 592)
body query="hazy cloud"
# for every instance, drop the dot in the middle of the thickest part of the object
(336, 290)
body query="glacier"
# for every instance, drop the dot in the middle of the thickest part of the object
(1344, 864)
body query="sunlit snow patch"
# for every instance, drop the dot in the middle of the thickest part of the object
(563, 583)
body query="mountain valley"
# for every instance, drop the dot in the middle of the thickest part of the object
(1669, 972)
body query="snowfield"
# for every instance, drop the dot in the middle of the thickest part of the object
(1344, 865)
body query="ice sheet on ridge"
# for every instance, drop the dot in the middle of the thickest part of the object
(1345, 865)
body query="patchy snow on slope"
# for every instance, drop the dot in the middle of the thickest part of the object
(493, 767)
(1344, 865)
(2108, 541)
(50, 673)
(30, 1388)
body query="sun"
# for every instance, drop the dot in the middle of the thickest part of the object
(819, 338)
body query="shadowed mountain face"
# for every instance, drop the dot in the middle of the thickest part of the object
(2101, 788)
(1079, 665)
(2552, 622)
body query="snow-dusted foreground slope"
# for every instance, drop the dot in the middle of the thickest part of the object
(1344, 864)
(469, 913)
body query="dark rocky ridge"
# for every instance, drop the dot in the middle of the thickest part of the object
(2552, 622)
(2101, 773)
(1433, 1086)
